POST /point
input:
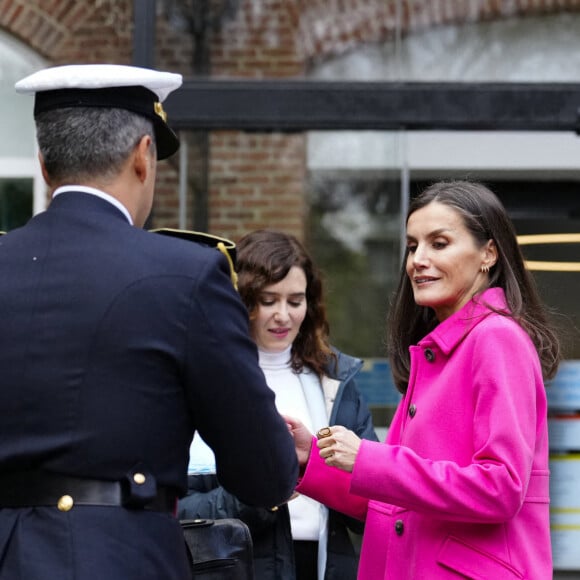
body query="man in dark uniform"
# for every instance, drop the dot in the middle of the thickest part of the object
(117, 344)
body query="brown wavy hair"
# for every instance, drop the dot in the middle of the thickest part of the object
(264, 257)
(485, 218)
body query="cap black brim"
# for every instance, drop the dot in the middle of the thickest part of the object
(166, 140)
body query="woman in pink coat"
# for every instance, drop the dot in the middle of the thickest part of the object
(460, 487)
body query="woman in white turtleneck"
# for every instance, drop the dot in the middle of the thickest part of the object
(301, 540)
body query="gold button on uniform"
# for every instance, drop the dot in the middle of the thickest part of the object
(65, 503)
(139, 478)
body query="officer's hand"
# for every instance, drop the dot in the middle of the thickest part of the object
(302, 439)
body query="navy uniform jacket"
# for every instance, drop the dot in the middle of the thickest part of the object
(115, 345)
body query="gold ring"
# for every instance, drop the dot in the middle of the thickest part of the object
(324, 432)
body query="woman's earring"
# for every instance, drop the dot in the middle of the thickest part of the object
(484, 268)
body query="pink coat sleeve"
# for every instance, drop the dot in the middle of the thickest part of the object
(330, 486)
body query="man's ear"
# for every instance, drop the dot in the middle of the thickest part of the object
(142, 158)
(43, 169)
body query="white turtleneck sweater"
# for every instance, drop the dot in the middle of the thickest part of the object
(291, 399)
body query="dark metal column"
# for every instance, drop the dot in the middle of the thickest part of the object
(144, 46)
(144, 33)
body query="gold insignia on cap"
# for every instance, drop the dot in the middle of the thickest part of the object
(65, 503)
(158, 107)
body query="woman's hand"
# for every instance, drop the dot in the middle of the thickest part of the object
(302, 439)
(339, 448)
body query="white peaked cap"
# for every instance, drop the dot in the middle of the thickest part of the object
(136, 89)
(99, 76)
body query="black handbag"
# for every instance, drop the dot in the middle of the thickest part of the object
(219, 549)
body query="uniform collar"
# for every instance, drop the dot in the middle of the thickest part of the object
(97, 192)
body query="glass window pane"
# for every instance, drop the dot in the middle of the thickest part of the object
(16, 61)
(354, 230)
(15, 203)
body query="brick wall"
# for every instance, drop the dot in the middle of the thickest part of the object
(257, 181)
(66, 31)
(251, 180)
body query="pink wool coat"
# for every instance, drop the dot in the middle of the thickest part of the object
(460, 487)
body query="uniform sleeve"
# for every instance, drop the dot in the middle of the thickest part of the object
(508, 395)
(232, 406)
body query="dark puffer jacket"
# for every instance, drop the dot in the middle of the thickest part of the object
(270, 529)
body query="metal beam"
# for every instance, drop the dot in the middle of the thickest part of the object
(288, 105)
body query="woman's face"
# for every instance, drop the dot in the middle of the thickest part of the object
(444, 263)
(280, 311)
